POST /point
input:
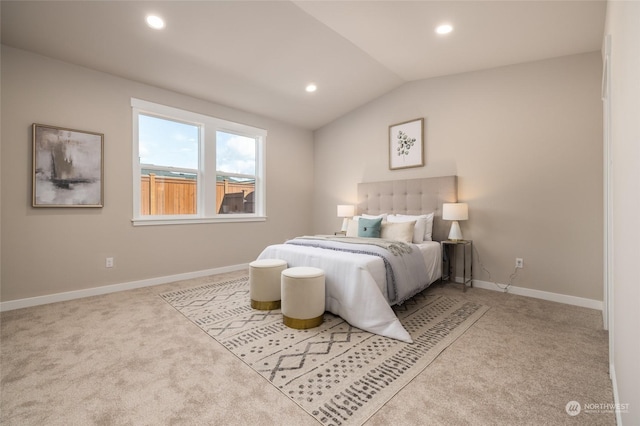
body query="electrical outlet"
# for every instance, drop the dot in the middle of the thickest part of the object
(109, 262)
(519, 262)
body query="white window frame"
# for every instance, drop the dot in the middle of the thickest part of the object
(207, 173)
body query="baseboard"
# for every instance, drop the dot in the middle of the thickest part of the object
(545, 295)
(616, 399)
(97, 291)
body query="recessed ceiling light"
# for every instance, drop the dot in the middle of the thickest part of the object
(155, 22)
(311, 87)
(444, 29)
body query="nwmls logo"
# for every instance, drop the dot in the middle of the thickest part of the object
(607, 407)
(573, 408)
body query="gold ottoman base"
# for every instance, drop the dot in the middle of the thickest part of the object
(302, 324)
(265, 306)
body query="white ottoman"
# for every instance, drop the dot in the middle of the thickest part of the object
(302, 297)
(264, 283)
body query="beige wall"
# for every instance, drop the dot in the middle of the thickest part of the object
(46, 251)
(622, 24)
(526, 143)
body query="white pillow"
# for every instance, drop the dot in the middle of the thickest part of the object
(424, 225)
(352, 227)
(418, 232)
(428, 230)
(369, 216)
(401, 231)
(419, 228)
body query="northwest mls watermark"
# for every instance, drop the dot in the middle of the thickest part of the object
(573, 408)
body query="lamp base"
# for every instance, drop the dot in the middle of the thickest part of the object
(345, 224)
(455, 234)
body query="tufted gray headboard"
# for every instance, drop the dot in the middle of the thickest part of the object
(410, 196)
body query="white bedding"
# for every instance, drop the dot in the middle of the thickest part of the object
(356, 283)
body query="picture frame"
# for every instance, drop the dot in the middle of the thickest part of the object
(406, 144)
(67, 167)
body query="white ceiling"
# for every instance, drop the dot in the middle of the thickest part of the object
(259, 56)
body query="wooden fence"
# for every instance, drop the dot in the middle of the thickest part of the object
(162, 195)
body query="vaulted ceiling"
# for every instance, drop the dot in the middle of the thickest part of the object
(259, 56)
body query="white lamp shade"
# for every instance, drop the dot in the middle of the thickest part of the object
(455, 211)
(346, 210)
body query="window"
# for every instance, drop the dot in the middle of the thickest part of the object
(168, 152)
(235, 173)
(189, 167)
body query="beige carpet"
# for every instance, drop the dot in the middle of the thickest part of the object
(127, 358)
(339, 374)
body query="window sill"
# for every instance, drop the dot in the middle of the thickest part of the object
(184, 220)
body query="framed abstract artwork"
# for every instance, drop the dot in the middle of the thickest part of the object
(406, 144)
(67, 167)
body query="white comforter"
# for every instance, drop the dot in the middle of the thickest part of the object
(356, 283)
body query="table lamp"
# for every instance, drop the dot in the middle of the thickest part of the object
(455, 212)
(346, 211)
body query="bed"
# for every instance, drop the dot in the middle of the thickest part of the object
(362, 282)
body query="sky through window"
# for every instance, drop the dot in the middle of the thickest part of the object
(171, 143)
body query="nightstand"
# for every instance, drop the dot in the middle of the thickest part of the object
(340, 233)
(450, 251)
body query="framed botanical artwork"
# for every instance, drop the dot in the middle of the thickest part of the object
(406, 144)
(67, 167)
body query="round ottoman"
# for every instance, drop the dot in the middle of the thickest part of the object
(264, 283)
(302, 297)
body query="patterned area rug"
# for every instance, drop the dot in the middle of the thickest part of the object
(339, 374)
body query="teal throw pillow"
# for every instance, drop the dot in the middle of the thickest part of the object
(369, 228)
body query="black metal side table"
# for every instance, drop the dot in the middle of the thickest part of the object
(450, 249)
